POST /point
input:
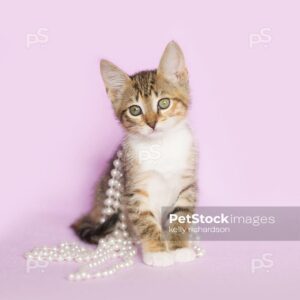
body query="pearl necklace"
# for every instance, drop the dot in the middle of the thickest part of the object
(116, 246)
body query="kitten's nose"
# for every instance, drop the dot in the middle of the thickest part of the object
(152, 123)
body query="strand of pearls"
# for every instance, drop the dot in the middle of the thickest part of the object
(113, 193)
(116, 246)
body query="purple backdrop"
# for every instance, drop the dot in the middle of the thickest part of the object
(58, 130)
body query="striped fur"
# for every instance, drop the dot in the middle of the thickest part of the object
(159, 155)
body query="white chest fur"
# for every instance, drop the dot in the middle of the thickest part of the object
(163, 159)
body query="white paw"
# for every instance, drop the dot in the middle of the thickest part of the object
(184, 254)
(158, 259)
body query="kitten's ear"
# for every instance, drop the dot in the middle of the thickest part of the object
(114, 78)
(172, 65)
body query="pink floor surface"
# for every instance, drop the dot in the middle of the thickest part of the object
(224, 272)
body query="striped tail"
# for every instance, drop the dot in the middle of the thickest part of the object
(90, 231)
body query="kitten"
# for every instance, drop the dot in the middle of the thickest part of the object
(159, 157)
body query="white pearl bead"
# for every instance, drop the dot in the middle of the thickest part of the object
(117, 163)
(123, 226)
(119, 153)
(108, 211)
(117, 185)
(116, 233)
(114, 172)
(112, 182)
(116, 204)
(111, 241)
(110, 192)
(71, 277)
(108, 201)
(117, 194)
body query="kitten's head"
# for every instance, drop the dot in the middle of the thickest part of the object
(150, 102)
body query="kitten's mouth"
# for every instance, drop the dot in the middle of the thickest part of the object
(152, 129)
(155, 132)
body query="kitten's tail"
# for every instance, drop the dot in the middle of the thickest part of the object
(90, 231)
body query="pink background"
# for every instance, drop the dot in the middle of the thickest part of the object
(57, 127)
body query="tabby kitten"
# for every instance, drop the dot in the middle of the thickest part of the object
(159, 158)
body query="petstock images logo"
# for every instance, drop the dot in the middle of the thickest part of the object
(234, 223)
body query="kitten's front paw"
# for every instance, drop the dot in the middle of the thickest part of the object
(158, 259)
(184, 254)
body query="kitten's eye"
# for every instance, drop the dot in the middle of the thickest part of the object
(164, 103)
(135, 110)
